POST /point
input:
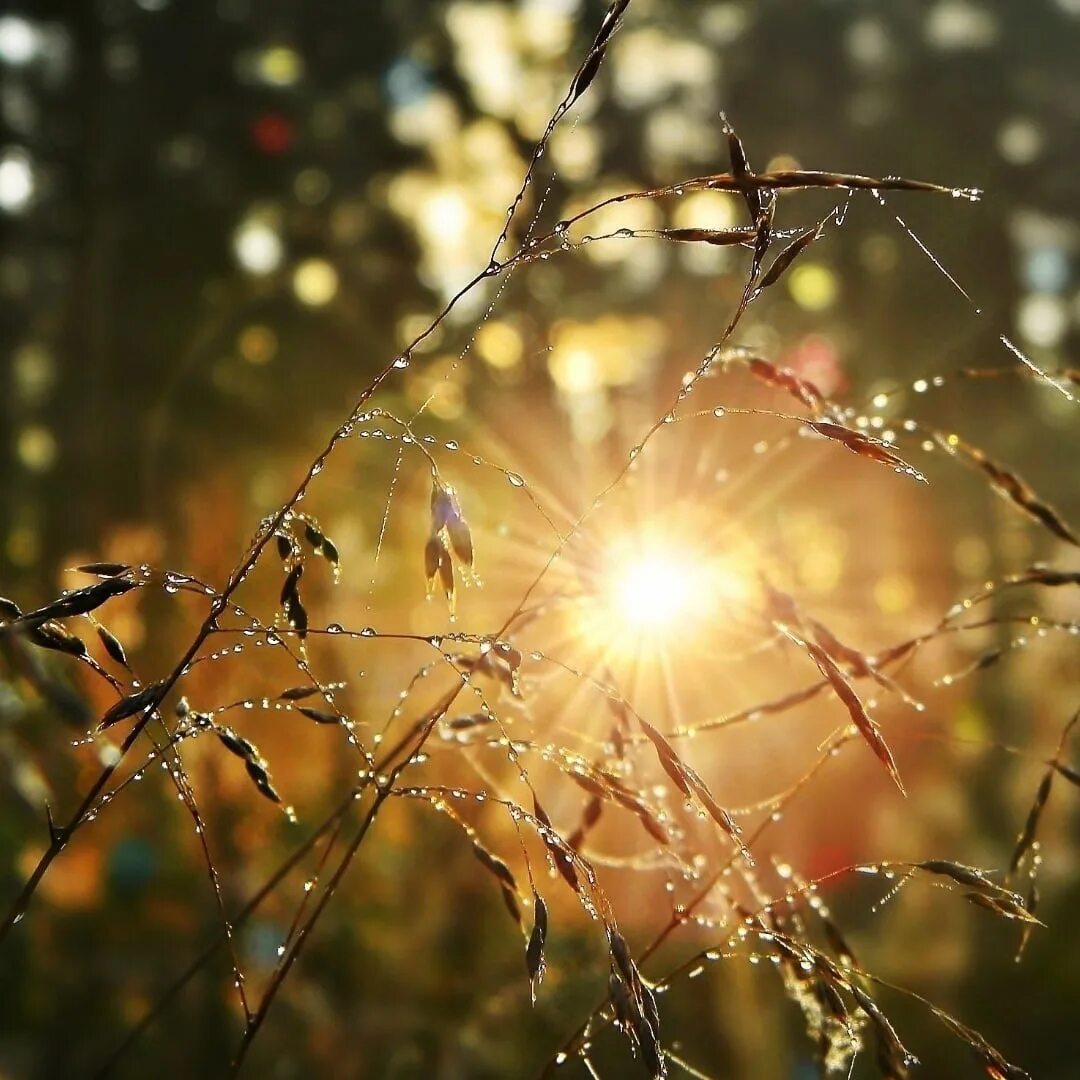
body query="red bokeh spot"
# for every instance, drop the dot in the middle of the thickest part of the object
(815, 358)
(826, 858)
(273, 133)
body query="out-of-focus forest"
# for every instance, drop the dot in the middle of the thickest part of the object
(222, 219)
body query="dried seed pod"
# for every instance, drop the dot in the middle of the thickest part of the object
(721, 817)
(9, 610)
(285, 548)
(534, 952)
(496, 665)
(1007, 908)
(313, 535)
(789, 255)
(507, 883)
(298, 693)
(621, 958)
(864, 445)
(318, 715)
(443, 506)
(649, 1006)
(460, 539)
(611, 21)
(446, 515)
(589, 817)
(651, 1053)
(328, 550)
(890, 1064)
(446, 574)
(792, 179)
(740, 171)
(1031, 903)
(1012, 487)
(563, 864)
(602, 785)
(856, 710)
(692, 786)
(620, 1001)
(961, 874)
(996, 1066)
(55, 636)
(434, 553)
(1044, 575)
(1031, 824)
(883, 1028)
(717, 237)
(257, 771)
(86, 600)
(669, 760)
(586, 73)
(786, 379)
(236, 744)
(635, 1005)
(837, 942)
(296, 615)
(859, 663)
(112, 645)
(103, 569)
(81, 601)
(465, 723)
(146, 698)
(764, 231)
(289, 589)
(585, 780)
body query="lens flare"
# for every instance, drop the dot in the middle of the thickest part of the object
(657, 592)
(653, 590)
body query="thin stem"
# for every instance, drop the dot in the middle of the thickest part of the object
(335, 817)
(382, 793)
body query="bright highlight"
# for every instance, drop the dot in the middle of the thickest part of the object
(656, 592)
(653, 591)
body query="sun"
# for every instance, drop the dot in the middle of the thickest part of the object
(653, 590)
(656, 591)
